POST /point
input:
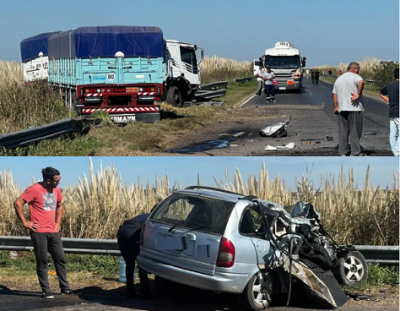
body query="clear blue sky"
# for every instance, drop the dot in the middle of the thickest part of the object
(327, 32)
(185, 169)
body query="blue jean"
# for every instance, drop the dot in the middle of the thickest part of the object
(394, 135)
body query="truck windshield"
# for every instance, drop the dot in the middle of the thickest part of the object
(283, 62)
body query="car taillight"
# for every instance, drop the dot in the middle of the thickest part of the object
(142, 233)
(226, 254)
(120, 90)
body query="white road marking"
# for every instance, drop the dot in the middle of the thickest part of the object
(247, 101)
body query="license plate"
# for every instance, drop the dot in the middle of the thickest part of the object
(282, 88)
(132, 89)
(123, 118)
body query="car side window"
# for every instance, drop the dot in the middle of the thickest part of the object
(251, 222)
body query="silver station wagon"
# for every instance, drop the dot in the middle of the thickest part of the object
(222, 241)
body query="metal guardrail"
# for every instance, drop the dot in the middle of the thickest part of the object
(367, 81)
(71, 245)
(37, 134)
(242, 80)
(209, 94)
(215, 85)
(388, 255)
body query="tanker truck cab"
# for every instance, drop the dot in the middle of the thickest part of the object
(183, 71)
(287, 64)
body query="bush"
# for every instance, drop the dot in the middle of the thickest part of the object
(384, 73)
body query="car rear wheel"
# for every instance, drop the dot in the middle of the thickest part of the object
(351, 268)
(258, 292)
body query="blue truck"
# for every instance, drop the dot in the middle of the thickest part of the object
(125, 71)
(116, 69)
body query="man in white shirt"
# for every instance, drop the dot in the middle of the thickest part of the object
(260, 81)
(269, 86)
(348, 98)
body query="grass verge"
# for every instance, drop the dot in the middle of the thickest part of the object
(142, 139)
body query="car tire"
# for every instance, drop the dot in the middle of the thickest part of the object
(174, 97)
(258, 292)
(351, 269)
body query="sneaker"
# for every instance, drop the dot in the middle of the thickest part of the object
(358, 155)
(67, 291)
(47, 295)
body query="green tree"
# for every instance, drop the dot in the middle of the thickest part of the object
(384, 72)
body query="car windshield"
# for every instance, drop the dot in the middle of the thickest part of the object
(194, 212)
(282, 62)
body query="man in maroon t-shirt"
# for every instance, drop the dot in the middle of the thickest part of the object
(45, 208)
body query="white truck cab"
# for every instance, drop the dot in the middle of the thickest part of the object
(182, 59)
(285, 60)
(183, 72)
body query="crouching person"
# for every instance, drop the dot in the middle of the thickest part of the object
(129, 244)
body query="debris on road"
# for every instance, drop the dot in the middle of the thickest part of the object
(276, 130)
(239, 134)
(358, 297)
(289, 146)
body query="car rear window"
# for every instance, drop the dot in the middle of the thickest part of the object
(194, 212)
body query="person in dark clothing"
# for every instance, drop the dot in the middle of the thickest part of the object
(129, 244)
(330, 73)
(390, 94)
(316, 76)
(312, 75)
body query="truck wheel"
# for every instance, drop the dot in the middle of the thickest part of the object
(174, 97)
(258, 292)
(351, 268)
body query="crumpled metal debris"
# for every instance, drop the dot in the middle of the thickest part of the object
(288, 146)
(358, 297)
(275, 130)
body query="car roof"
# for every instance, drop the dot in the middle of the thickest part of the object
(213, 193)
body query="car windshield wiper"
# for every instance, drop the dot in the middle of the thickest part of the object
(177, 224)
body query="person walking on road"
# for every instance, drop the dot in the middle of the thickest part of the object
(348, 99)
(269, 86)
(128, 237)
(46, 209)
(390, 94)
(260, 81)
(316, 76)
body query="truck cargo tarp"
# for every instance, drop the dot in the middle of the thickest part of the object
(32, 46)
(105, 41)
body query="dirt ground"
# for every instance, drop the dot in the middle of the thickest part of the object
(89, 283)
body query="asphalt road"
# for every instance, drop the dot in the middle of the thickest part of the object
(88, 299)
(313, 127)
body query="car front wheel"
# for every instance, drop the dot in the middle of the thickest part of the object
(257, 293)
(351, 268)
